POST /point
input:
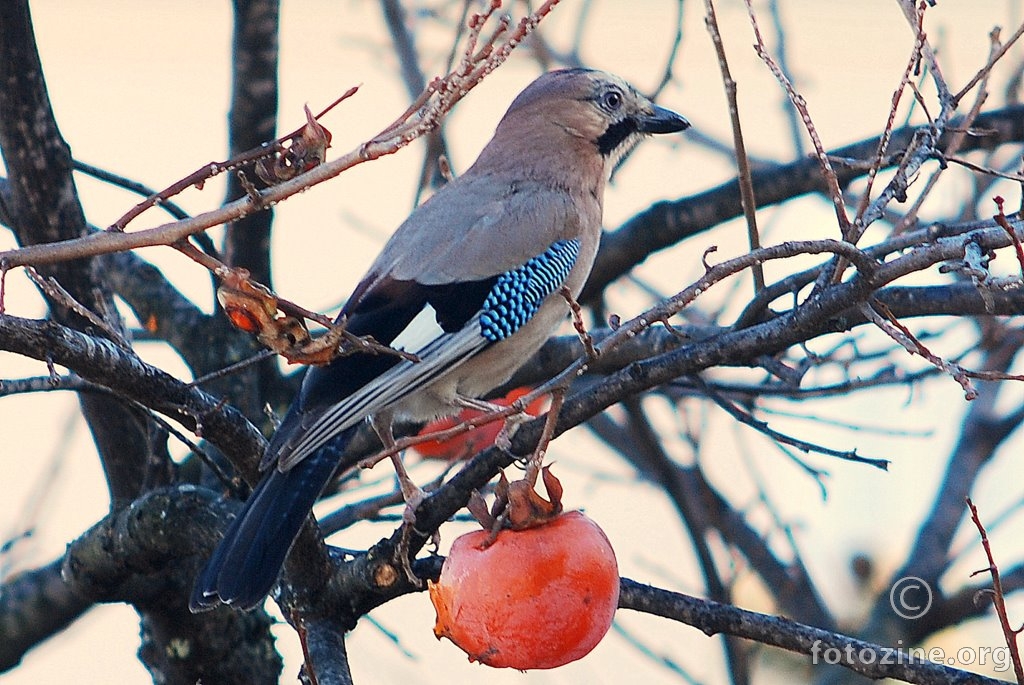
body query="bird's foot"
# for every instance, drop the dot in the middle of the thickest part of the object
(503, 440)
(413, 496)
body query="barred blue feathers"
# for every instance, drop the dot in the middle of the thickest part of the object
(517, 295)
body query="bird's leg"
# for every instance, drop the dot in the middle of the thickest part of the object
(510, 423)
(478, 404)
(411, 493)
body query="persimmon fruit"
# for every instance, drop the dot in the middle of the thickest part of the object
(535, 598)
(475, 439)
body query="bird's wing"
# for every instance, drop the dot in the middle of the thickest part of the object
(479, 226)
(443, 322)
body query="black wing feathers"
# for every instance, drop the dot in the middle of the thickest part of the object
(384, 311)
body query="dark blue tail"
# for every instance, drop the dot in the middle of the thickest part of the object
(246, 563)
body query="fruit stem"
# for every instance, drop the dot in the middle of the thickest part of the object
(536, 460)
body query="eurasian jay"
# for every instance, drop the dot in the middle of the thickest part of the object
(469, 283)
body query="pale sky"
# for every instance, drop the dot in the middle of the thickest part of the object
(141, 89)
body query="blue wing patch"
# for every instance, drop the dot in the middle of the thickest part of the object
(517, 295)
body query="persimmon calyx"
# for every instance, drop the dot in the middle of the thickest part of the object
(517, 505)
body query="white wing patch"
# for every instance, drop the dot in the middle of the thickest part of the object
(420, 332)
(437, 357)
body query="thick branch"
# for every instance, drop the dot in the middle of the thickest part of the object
(147, 555)
(105, 364)
(36, 604)
(251, 122)
(871, 660)
(43, 207)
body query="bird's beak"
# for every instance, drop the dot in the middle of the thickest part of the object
(662, 120)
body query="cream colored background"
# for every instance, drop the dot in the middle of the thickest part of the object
(141, 89)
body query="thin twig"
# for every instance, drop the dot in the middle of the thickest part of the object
(1017, 177)
(883, 141)
(792, 119)
(578, 324)
(828, 173)
(677, 40)
(493, 413)
(891, 326)
(128, 184)
(536, 461)
(425, 114)
(747, 199)
(993, 58)
(1000, 219)
(60, 296)
(200, 176)
(233, 368)
(957, 139)
(747, 419)
(998, 598)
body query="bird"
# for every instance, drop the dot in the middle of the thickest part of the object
(470, 283)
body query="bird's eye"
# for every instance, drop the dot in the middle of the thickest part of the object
(611, 100)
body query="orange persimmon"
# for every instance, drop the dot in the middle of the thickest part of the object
(539, 597)
(476, 439)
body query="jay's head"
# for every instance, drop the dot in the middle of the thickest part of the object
(588, 110)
